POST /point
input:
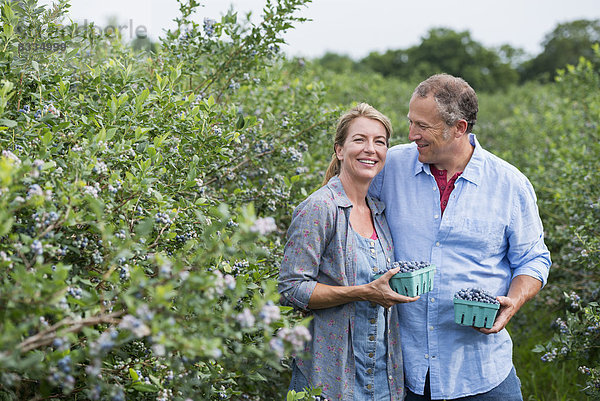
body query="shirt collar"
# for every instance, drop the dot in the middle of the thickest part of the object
(472, 171)
(341, 199)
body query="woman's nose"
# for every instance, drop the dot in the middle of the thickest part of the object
(370, 146)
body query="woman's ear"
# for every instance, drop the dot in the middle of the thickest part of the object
(338, 152)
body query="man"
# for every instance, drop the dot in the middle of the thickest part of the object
(474, 216)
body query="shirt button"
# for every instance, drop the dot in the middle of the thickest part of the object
(432, 299)
(445, 203)
(371, 355)
(374, 269)
(371, 338)
(369, 386)
(435, 188)
(437, 243)
(436, 216)
(430, 328)
(369, 371)
(390, 377)
(443, 187)
(372, 243)
(426, 356)
(373, 321)
(389, 260)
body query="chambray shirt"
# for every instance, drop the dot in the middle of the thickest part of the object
(322, 248)
(489, 233)
(369, 343)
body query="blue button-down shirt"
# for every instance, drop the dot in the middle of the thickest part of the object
(489, 233)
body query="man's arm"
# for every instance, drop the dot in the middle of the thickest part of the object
(522, 289)
(527, 254)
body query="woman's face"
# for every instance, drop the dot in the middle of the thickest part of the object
(363, 154)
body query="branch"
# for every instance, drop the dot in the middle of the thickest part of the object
(47, 336)
(248, 159)
(57, 222)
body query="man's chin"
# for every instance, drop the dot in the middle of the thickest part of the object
(423, 159)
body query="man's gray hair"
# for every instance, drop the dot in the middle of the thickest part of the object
(455, 98)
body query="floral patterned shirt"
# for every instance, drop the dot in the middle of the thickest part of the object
(322, 248)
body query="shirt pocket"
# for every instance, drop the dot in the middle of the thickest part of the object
(480, 237)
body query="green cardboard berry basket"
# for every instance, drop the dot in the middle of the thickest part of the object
(473, 313)
(413, 283)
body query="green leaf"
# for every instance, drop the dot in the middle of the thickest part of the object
(210, 102)
(8, 123)
(538, 348)
(110, 133)
(47, 138)
(133, 374)
(155, 380)
(145, 387)
(240, 122)
(145, 227)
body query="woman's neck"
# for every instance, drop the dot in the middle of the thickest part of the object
(356, 191)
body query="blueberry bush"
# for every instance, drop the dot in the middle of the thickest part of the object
(558, 129)
(143, 197)
(551, 132)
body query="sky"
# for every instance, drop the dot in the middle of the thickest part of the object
(358, 27)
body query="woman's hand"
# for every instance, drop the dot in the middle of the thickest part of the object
(378, 291)
(382, 294)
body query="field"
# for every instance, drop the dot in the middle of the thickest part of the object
(145, 195)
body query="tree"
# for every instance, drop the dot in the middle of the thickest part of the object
(456, 53)
(564, 45)
(336, 62)
(390, 63)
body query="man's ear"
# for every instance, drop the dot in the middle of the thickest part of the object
(461, 128)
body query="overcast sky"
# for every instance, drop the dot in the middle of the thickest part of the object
(357, 27)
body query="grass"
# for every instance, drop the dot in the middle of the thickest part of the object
(542, 381)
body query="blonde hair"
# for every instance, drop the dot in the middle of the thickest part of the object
(341, 132)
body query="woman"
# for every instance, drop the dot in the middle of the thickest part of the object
(337, 241)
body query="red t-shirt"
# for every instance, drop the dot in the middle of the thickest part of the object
(444, 185)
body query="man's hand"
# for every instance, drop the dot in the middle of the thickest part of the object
(508, 308)
(522, 289)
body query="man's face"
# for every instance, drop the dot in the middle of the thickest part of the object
(433, 137)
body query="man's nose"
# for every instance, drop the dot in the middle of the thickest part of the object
(413, 133)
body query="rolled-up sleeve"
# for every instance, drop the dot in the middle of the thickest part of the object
(527, 252)
(306, 244)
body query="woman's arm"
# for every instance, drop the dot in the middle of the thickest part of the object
(308, 235)
(378, 291)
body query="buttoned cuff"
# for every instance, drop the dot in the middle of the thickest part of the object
(538, 271)
(298, 295)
